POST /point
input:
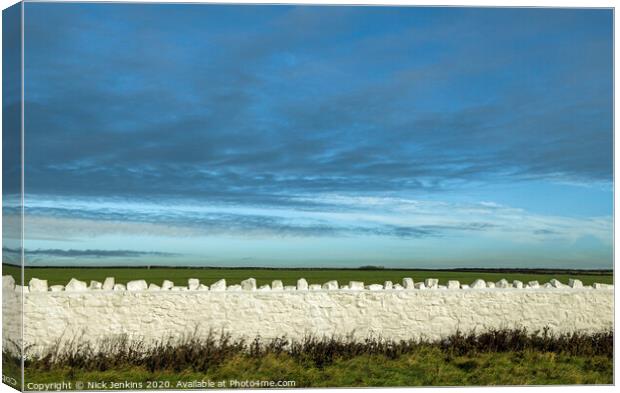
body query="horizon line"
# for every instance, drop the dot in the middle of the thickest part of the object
(367, 268)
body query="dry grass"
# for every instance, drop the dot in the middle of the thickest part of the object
(202, 354)
(496, 357)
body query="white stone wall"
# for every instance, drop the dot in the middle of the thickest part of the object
(429, 311)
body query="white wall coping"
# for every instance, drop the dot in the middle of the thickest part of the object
(37, 286)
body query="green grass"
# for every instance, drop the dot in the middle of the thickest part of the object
(427, 367)
(288, 276)
(495, 357)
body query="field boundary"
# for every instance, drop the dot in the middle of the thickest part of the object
(149, 313)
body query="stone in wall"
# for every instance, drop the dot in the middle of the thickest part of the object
(431, 283)
(8, 282)
(219, 285)
(193, 284)
(36, 285)
(137, 285)
(302, 284)
(94, 285)
(249, 284)
(356, 285)
(108, 284)
(408, 283)
(478, 284)
(574, 283)
(556, 283)
(331, 285)
(76, 285)
(503, 283)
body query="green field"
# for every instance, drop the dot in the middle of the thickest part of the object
(288, 276)
(426, 368)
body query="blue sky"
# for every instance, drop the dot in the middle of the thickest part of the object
(317, 136)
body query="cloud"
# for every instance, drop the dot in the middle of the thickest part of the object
(331, 216)
(545, 232)
(424, 231)
(88, 253)
(187, 224)
(291, 111)
(196, 122)
(357, 228)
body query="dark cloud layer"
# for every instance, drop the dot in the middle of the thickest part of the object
(257, 104)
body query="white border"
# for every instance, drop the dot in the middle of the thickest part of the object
(480, 3)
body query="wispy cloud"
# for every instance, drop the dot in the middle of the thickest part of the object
(331, 215)
(88, 253)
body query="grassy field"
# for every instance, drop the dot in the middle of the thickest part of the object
(288, 276)
(502, 357)
(426, 368)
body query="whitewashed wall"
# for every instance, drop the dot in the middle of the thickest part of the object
(151, 315)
